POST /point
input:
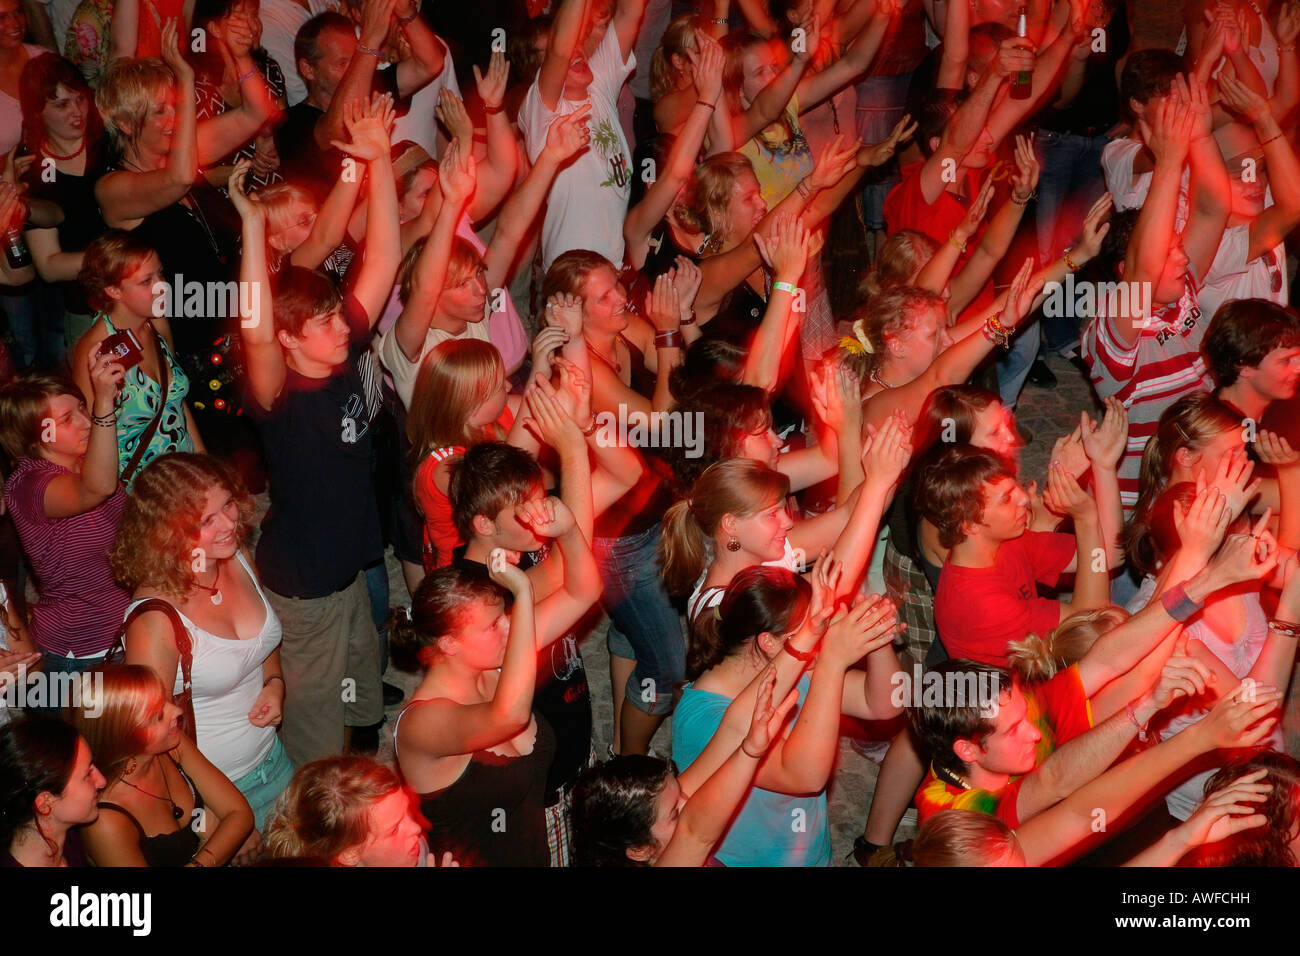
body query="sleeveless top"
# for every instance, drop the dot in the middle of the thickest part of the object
(138, 401)
(1239, 657)
(167, 849)
(702, 598)
(494, 813)
(440, 535)
(226, 677)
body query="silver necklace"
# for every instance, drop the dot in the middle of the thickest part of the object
(875, 377)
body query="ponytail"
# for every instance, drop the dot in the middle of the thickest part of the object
(1037, 660)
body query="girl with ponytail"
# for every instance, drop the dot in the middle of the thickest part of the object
(772, 620)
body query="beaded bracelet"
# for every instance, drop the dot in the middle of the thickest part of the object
(377, 54)
(959, 246)
(1068, 261)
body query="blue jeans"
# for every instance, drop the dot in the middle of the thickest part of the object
(637, 601)
(881, 101)
(1013, 366)
(35, 315)
(1070, 182)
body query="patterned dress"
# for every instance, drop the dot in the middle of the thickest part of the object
(138, 402)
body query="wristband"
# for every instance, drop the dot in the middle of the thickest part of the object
(803, 189)
(271, 678)
(377, 54)
(590, 429)
(780, 286)
(671, 339)
(105, 421)
(1284, 628)
(960, 246)
(1178, 605)
(494, 110)
(712, 106)
(479, 138)
(748, 754)
(1277, 135)
(244, 76)
(1141, 728)
(804, 656)
(689, 320)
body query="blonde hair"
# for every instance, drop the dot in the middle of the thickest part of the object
(735, 486)
(114, 719)
(890, 314)
(708, 198)
(963, 838)
(1036, 659)
(678, 40)
(463, 262)
(903, 255)
(325, 810)
(125, 95)
(455, 378)
(279, 200)
(159, 528)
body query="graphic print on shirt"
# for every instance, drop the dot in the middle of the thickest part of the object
(605, 139)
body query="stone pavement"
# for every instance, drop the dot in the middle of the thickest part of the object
(1048, 414)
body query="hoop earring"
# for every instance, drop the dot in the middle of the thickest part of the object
(130, 766)
(733, 545)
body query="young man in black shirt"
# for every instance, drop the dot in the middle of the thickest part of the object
(308, 396)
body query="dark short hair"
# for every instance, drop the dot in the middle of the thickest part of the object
(1146, 75)
(950, 488)
(1243, 332)
(488, 478)
(306, 44)
(301, 295)
(942, 724)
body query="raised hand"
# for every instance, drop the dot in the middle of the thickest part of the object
(1104, 443)
(765, 725)
(548, 420)
(785, 249)
(544, 345)
(970, 222)
(1015, 55)
(506, 573)
(708, 62)
(664, 305)
(1228, 811)
(244, 205)
(574, 391)
(569, 135)
(1069, 451)
(1245, 557)
(367, 123)
(106, 377)
(834, 163)
(1202, 524)
(376, 18)
(492, 87)
(1182, 676)
(548, 517)
(686, 277)
(1239, 98)
(883, 152)
(1273, 449)
(1064, 496)
(1095, 226)
(457, 173)
(1020, 297)
(1025, 181)
(825, 577)
(1288, 23)
(171, 52)
(888, 452)
(565, 311)
(1169, 131)
(1240, 718)
(451, 111)
(867, 626)
(1232, 477)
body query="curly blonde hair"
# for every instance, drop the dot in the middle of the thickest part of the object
(160, 526)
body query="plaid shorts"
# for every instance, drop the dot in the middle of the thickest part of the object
(558, 835)
(910, 591)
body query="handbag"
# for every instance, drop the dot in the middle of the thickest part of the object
(184, 647)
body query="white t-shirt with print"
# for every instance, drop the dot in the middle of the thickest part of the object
(402, 369)
(588, 202)
(1231, 276)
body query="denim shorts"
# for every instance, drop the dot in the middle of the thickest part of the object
(263, 785)
(639, 607)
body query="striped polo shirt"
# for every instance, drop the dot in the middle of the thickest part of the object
(1161, 367)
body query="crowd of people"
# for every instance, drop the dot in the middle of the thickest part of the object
(695, 326)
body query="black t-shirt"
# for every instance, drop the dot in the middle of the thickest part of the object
(302, 161)
(323, 525)
(561, 694)
(82, 221)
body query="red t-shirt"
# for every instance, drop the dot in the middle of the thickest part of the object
(1061, 711)
(906, 208)
(979, 610)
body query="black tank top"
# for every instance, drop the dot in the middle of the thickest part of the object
(494, 814)
(167, 849)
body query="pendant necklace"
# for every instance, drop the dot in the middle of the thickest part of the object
(214, 592)
(177, 812)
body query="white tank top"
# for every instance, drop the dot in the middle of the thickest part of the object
(702, 599)
(227, 678)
